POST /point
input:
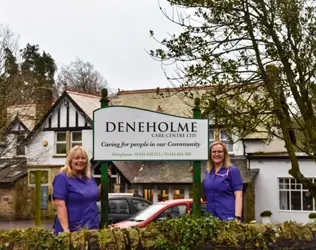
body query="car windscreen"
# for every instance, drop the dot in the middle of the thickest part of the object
(148, 212)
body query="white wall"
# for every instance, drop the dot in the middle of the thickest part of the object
(276, 145)
(87, 141)
(238, 148)
(10, 147)
(38, 154)
(267, 194)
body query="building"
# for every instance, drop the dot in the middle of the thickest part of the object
(21, 120)
(69, 122)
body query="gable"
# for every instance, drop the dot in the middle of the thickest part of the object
(66, 116)
(17, 126)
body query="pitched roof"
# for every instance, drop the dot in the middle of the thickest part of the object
(11, 170)
(84, 103)
(173, 172)
(174, 101)
(87, 102)
(17, 121)
(25, 113)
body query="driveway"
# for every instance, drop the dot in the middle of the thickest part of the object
(23, 224)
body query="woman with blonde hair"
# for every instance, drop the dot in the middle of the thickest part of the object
(223, 185)
(75, 193)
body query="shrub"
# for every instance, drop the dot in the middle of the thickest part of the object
(266, 213)
(312, 216)
(185, 233)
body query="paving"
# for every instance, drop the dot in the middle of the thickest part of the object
(23, 224)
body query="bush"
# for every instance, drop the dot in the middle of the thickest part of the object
(312, 216)
(185, 233)
(266, 213)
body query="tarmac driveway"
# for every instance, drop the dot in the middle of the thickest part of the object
(23, 224)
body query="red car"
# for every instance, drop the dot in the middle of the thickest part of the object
(160, 211)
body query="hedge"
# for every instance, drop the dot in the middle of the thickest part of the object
(185, 233)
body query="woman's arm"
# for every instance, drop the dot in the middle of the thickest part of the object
(238, 203)
(62, 214)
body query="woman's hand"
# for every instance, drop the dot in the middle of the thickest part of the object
(62, 214)
(191, 170)
(237, 221)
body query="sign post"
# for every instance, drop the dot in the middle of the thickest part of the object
(38, 198)
(197, 168)
(104, 173)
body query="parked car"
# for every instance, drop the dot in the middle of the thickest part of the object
(122, 206)
(161, 211)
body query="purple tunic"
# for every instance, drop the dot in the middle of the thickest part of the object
(81, 196)
(219, 190)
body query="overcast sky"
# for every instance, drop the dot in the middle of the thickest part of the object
(111, 34)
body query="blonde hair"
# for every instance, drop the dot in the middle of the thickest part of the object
(227, 162)
(67, 168)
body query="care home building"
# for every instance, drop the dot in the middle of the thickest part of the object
(264, 167)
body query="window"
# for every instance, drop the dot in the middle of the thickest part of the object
(44, 177)
(292, 196)
(62, 140)
(119, 206)
(224, 137)
(76, 139)
(139, 204)
(174, 212)
(61, 143)
(203, 209)
(20, 147)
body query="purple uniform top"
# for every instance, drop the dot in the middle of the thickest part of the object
(219, 191)
(81, 196)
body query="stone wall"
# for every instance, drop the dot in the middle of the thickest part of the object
(250, 202)
(7, 203)
(249, 195)
(18, 201)
(25, 200)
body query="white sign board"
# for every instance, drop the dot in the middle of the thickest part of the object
(125, 133)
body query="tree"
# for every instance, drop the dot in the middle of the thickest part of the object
(23, 75)
(259, 57)
(8, 40)
(81, 76)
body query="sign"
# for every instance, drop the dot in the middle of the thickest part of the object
(125, 133)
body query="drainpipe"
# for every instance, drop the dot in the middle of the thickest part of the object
(244, 146)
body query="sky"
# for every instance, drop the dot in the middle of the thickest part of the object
(113, 35)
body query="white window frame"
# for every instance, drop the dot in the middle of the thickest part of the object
(289, 189)
(60, 142)
(40, 169)
(70, 143)
(224, 140)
